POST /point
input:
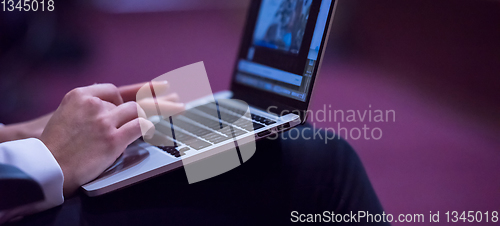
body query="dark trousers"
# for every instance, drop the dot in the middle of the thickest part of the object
(284, 175)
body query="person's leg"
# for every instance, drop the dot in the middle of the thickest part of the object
(303, 174)
(326, 176)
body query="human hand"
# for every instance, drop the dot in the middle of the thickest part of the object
(89, 130)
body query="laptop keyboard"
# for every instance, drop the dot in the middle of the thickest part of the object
(257, 118)
(205, 125)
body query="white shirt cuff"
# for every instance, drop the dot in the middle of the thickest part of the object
(34, 158)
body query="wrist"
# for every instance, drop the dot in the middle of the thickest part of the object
(70, 185)
(13, 132)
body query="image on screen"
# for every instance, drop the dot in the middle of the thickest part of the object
(281, 24)
(278, 66)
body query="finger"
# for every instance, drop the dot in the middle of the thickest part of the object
(108, 106)
(107, 92)
(134, 129)
(149, 107)
(141, 112)
(165, 108)
(124, 113)
(173, 97)
(129, 92)
(160, 87)
(168, 108)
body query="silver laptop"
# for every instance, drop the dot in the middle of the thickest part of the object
(279, 57)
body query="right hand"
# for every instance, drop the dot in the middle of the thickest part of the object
(89, 130)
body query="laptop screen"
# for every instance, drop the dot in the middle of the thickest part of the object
(283, 51)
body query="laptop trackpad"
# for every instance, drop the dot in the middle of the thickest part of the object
(130, 157)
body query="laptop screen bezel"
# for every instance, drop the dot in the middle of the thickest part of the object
(263, 99)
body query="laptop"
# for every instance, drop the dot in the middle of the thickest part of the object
(278, 61)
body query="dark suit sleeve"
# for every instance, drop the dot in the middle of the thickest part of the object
(17, 188)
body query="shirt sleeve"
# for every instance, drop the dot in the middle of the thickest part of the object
(32, 157)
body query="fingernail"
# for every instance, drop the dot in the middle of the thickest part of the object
(163, 82)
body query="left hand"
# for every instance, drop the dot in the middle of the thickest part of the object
(23, 130)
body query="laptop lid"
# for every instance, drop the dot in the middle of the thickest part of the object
(280, 53)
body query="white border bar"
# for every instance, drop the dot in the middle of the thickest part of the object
(269, 72)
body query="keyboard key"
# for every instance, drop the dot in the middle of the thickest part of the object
(262, 119)
(192, 128)
(216, 138)
(210, 123)
(170, 149)
(182, 150)
(219, 139)
(227, 131)
(199, 144)
(269, 122)
(257, 126)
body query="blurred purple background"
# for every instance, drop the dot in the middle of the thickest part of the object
(435, 62)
